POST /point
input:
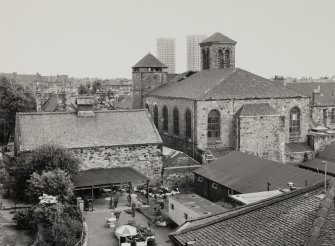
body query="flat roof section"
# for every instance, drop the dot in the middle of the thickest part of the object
(106, 176)
(198, 204)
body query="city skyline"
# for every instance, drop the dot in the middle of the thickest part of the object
(281, 38)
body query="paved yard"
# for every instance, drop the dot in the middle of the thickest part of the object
(99, 235)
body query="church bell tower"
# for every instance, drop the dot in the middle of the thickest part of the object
(217, 51)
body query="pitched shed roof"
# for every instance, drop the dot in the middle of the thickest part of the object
(315, 165)
(247, 173)
(218, 38)
(218, 84)
(257, 109)
(51, 104)
(328, 153)
(149, 61)
(296, 218)
(327, 91)
(105, 176)
(106, 128)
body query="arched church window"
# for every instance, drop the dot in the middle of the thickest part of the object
(156, 116)
(188, 124)
(205, 59)
(165, 119)
(220, 58)
(294, 124)
(227, 55)
(176, 122)
(213, 130)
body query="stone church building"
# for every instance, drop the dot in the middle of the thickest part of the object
(222, 107)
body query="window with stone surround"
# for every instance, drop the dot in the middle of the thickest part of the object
(295, 121)
(165, 119)
(156, 116)
(176, 122)
(147, 107)
(213, 130)
(188, 124)
(332, 115)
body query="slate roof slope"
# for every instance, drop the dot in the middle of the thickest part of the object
(218, 84)
(295, 218)
(51, 104)
(328, 153)
(149, 61)
(106, 128)
(256, 110)
(327, 91)
(218, 38)
(247, 173)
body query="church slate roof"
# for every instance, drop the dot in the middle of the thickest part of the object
(106, 128)
(149, 61)
(327, 91)
(295, 218)
(245, 173)
(220, 84)
(257, 109)
(218, 38)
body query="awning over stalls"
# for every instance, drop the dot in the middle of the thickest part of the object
(106, 176)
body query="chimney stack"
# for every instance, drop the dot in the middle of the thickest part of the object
(85, 106)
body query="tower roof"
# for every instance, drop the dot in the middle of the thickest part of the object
(149, 61)
(218, 38)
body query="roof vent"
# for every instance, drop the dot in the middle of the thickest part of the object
(291, 186)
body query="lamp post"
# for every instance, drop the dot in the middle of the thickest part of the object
(325, 163)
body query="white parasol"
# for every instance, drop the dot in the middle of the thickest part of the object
(125, 231)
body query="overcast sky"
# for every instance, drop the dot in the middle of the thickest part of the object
(105, 38)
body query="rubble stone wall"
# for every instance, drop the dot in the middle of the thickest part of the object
(146, 159)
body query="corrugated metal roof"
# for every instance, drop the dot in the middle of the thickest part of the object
(106, 128)
(246, 173)
(105, 176)
(316, 165)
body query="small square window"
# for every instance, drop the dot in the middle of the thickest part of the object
(200, 179)
(215, 186)
(172, 206)
(185, 216)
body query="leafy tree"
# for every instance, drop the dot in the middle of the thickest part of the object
(13, 98)
(83, 89)
(56, 183)
(96, 86)
(45, 158)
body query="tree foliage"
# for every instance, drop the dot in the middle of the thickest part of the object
(45, 158)
(96, 86)
(13, 98)
(56, 183)
(83, 89)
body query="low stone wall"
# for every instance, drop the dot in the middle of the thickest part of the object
(298, 157)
